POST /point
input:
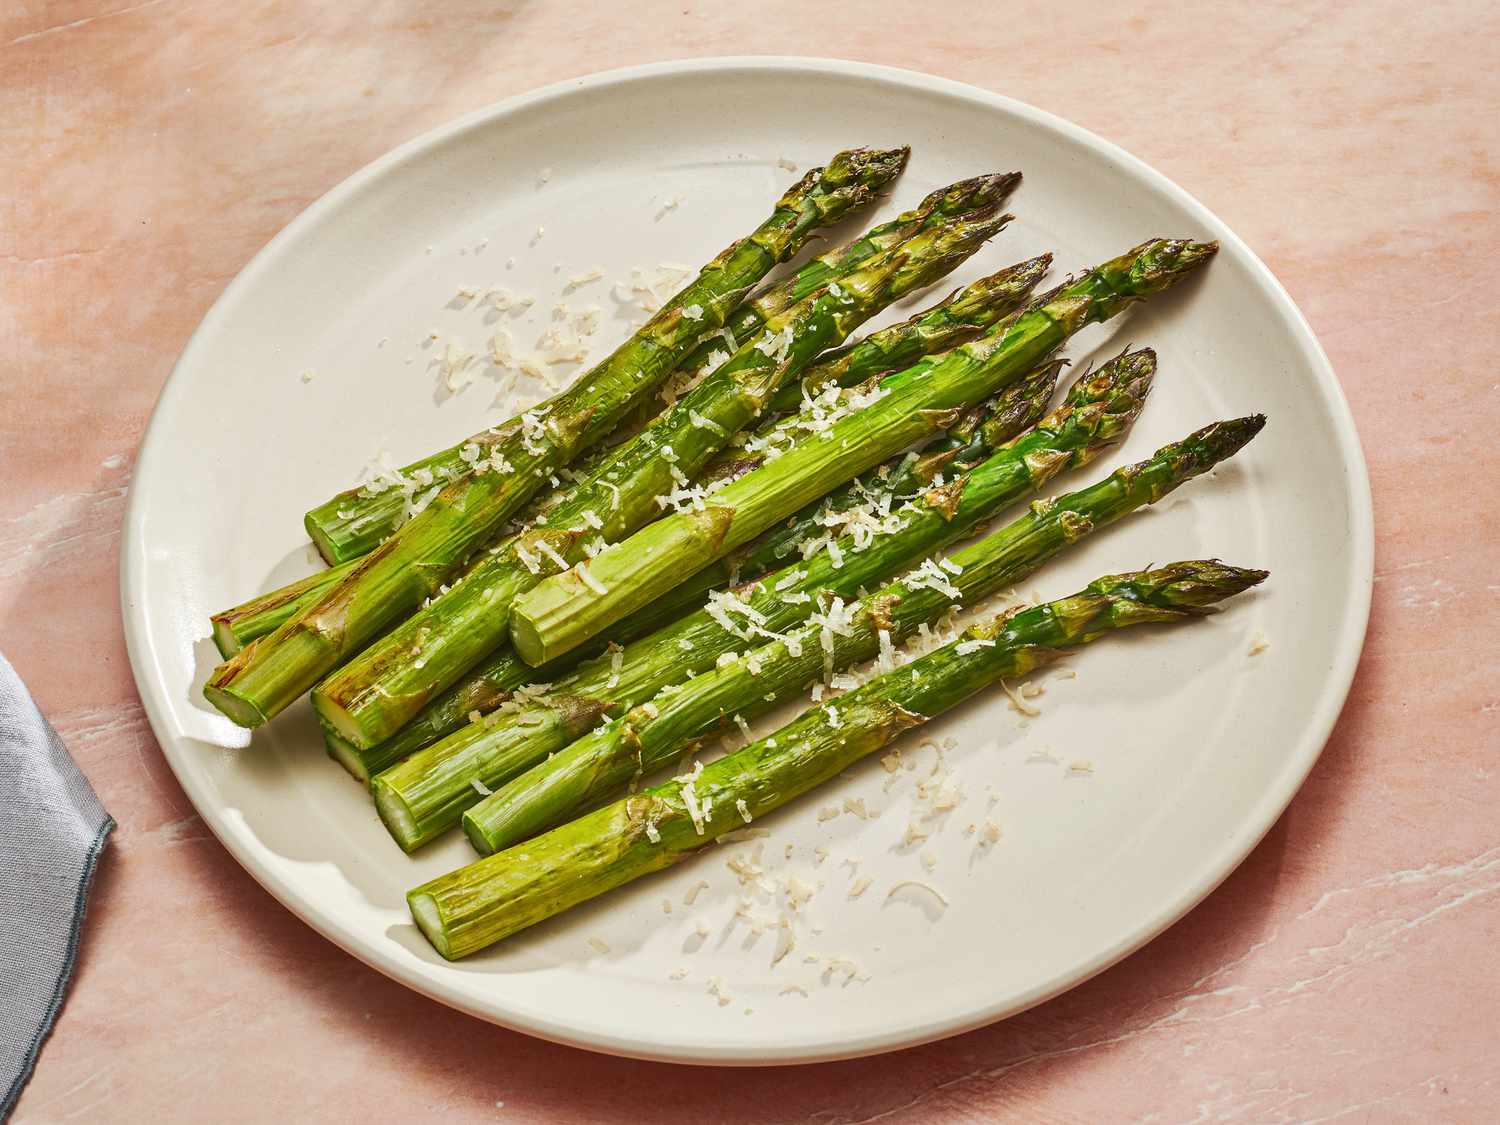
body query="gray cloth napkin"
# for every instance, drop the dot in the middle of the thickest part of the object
(52, 829)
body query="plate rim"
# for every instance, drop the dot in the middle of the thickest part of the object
(1209, 875)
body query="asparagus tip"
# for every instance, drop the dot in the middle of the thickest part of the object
(1195, 584)
(976, 191)
(873, 166)
(1230, 436)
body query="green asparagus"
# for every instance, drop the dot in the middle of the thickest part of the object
(495, 679)
(962, 316)
(237, 627)
(425, 794)
(382, 688)
(569, 608)
(474, 907)
(598, 764)
(513, 462)
(978, 433)
(945, 203)
(357, 520)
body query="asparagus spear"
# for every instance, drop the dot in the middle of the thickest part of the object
(468, 909)
(962, 316)
(237, 627)
(494, 680)
(943, 204)
(602, 761)
(978, 433)
(377, 692)
(568, 608)
(425, 794)
(513, 462)
(354, 522)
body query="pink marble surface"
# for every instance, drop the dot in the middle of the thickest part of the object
(1346, 971)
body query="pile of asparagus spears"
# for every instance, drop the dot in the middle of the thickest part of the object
(736, 504)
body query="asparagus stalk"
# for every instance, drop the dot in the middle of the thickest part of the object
(474, 907)
(237, 627)
(569, 608)
(943, 204)
(494, 680)
(962, 316)
(382, 688)
(978, 433)
(425, 794)
(354, 522)
(601, 762)
(510, 464)
(950, 202)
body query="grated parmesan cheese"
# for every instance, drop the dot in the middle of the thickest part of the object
(528, 560)
(1018, 702)
(457, 367)
(589, 580)
(706, 423)
(717, 989)
(578, 280)
(547, 549)
(920, 885)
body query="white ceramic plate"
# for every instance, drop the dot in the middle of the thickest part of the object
(1194, 755)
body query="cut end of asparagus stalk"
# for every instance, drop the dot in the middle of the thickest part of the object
(237, 710)
(542, 624)
(397, 817)
(346, 754)
(337, 721)
(478, 839)
(224, 639)
(216, 690)
(424, 911)
(332, 553)
(256, 673)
